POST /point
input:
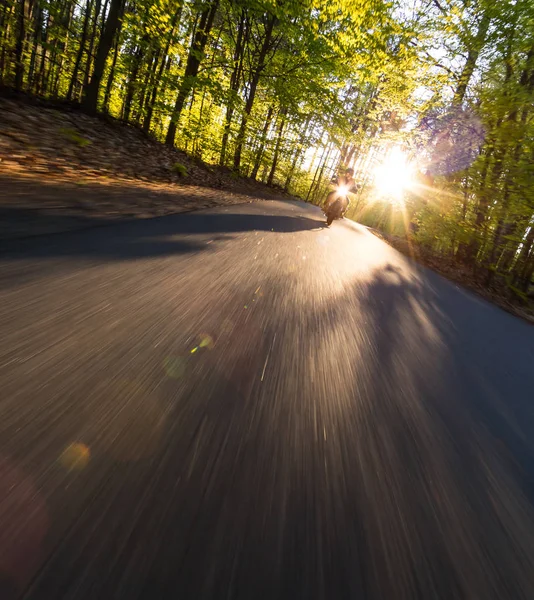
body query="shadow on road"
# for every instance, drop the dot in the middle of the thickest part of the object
(383, 479)
(161, 236)
(444, 462)
(423, 330)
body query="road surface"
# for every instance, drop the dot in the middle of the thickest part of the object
(242, 404)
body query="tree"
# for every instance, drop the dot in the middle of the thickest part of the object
(91, 89)
(194, 58)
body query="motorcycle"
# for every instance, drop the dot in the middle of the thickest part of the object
(336, 209)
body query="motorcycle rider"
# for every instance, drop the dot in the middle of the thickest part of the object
(344, 184)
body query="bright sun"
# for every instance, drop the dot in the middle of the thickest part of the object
(393, 175)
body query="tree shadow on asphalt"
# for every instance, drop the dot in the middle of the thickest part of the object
(426, 330)
(145, 238)
(228, 504)
(441, 403)
(452, 390)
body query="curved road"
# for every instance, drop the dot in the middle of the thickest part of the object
(241, 404)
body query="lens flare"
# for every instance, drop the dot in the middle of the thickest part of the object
(175, 366)
(394, 175)
(206, 341)
(75, 457)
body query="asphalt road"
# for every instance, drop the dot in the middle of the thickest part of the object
(241, 404)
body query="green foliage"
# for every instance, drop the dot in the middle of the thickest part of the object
(179, 169)
(75, 137)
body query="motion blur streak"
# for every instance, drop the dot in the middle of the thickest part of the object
(238, 403)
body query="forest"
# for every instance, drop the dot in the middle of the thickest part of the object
(430, 101)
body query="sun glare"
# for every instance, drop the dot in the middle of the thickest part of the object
(393, 175)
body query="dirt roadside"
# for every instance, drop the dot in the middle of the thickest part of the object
(62, 170)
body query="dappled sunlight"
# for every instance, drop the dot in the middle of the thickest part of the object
(405, 317)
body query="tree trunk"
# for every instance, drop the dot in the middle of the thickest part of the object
(132, 79)
(511, 251)
(523, 268)
(194, 58)
(234, 85)
(148, 83)
(37, 42)
(298, 154)
(111, 74)
(349, 155)
(259, 154)
(98, 5)
(527, 83)
(499, 230)
(152, 102)
(5, 27)
(79, 55)
(62, 45)
(269, 27)
(472, 57)
(19, 46)
(283, 114)
(90, 93)
(320, 167)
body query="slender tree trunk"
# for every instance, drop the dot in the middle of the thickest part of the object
(90, 93)
(511, 251)
(42, 82)
(234, 85)
(323, 167)
(37, 42)
(5, 28)
(467, 251)
(159, 121)
(62, 46)
(266, 45)
(74, 79)
(527, 83)
(197, 142)
(503, 210)
(472, 57)
(194, 58)
(259, 154)
(274, 164)
(111, 74)
(152, 102)
(19, 46)
(320, 167)
(150, 111)
(349, 155)
(298, 154)
(88, 64)
(148, 83)
(527, 275)
(523, 268)
(132, 79)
